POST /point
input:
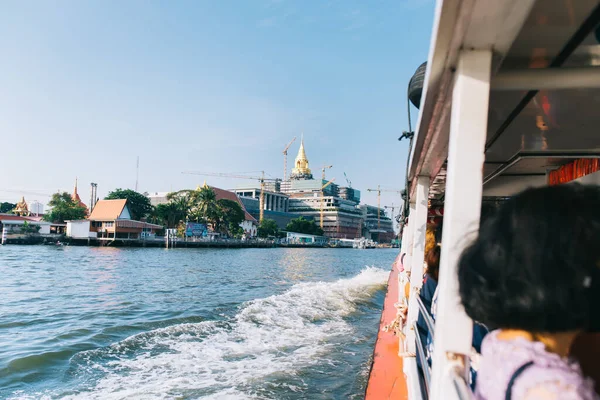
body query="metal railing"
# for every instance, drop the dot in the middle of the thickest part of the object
(423, 358)
(463, 391)
(426, 316)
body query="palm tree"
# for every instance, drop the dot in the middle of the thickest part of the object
(204, 206)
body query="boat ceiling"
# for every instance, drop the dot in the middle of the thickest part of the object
(554, 126)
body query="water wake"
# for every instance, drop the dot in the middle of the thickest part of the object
(267, 340)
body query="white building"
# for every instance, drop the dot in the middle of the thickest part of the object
(157, 198)
(80, 229)
(304, 238)
(36, 208)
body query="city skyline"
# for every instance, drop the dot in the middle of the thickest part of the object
(203, 86)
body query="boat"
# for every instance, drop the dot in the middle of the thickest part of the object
(507, 100)
(364, 243)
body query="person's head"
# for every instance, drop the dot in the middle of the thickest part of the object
(430, 241)
(535, 265)
(433, 262)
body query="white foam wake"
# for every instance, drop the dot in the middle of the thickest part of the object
(277, 335)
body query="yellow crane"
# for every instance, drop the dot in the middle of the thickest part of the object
(261, 179)
(379, 190)
(285, 153)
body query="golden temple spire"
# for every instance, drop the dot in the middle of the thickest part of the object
(301, 168)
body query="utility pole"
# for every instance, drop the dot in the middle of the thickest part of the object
(93, 195)
(137, 173)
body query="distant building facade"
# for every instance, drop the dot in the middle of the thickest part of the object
(111, 219)
(157, 198)
(341, 217)
(281, 218)
(379, 228)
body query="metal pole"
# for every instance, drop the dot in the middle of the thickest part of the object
(419, 221)
(462, 208)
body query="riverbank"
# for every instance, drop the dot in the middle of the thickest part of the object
(179, 243)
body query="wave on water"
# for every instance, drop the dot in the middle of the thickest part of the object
(267, 340)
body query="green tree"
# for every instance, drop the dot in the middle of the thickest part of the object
(169, 214)
(29, 228)
(7, 207)
(204, 207)
(139, 205)
(267, 227)
(64, 209)
(302, 225)
(201, 205)
(231, 216)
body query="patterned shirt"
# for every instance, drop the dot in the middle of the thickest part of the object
(550, 377)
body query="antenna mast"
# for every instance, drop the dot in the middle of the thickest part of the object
(137, 173)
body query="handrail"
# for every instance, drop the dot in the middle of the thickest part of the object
(426, 316)
(424, 363)
(463, 391)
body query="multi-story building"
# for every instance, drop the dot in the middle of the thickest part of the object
(307, 197)
(378, 226)
(274, 201)
(341, 218)
(280, 216)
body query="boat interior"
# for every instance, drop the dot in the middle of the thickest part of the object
(509, 101)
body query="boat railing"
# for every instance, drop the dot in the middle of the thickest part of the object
(463, 391)
(426, 316)
(423, 357)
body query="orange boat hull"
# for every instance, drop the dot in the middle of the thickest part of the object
(387, 380)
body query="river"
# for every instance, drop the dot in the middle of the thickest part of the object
(110, 323)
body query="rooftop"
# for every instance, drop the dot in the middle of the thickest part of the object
(108, 210)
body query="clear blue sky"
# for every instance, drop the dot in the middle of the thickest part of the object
(217, 86)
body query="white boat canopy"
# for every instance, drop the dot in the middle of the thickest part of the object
(511, 92)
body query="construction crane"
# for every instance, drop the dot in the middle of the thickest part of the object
(348, 180)
(379, 190)
(392, 207)
(323, 198)
(325, 167)
(285, 152)
(261, 179)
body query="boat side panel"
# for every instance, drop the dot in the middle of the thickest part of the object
(387, 380)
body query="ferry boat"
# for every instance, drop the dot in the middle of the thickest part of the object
(364, 243)
(507, 100)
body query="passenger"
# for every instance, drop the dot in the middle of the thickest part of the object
(429, 286)
(430, 241)
(533, 273)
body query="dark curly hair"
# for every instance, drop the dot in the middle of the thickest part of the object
(535, 265)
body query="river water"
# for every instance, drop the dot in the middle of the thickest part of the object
(108, 323)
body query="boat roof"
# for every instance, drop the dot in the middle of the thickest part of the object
(529, 131)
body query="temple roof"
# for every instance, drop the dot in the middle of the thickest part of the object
(77, 199)
(226, 194)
